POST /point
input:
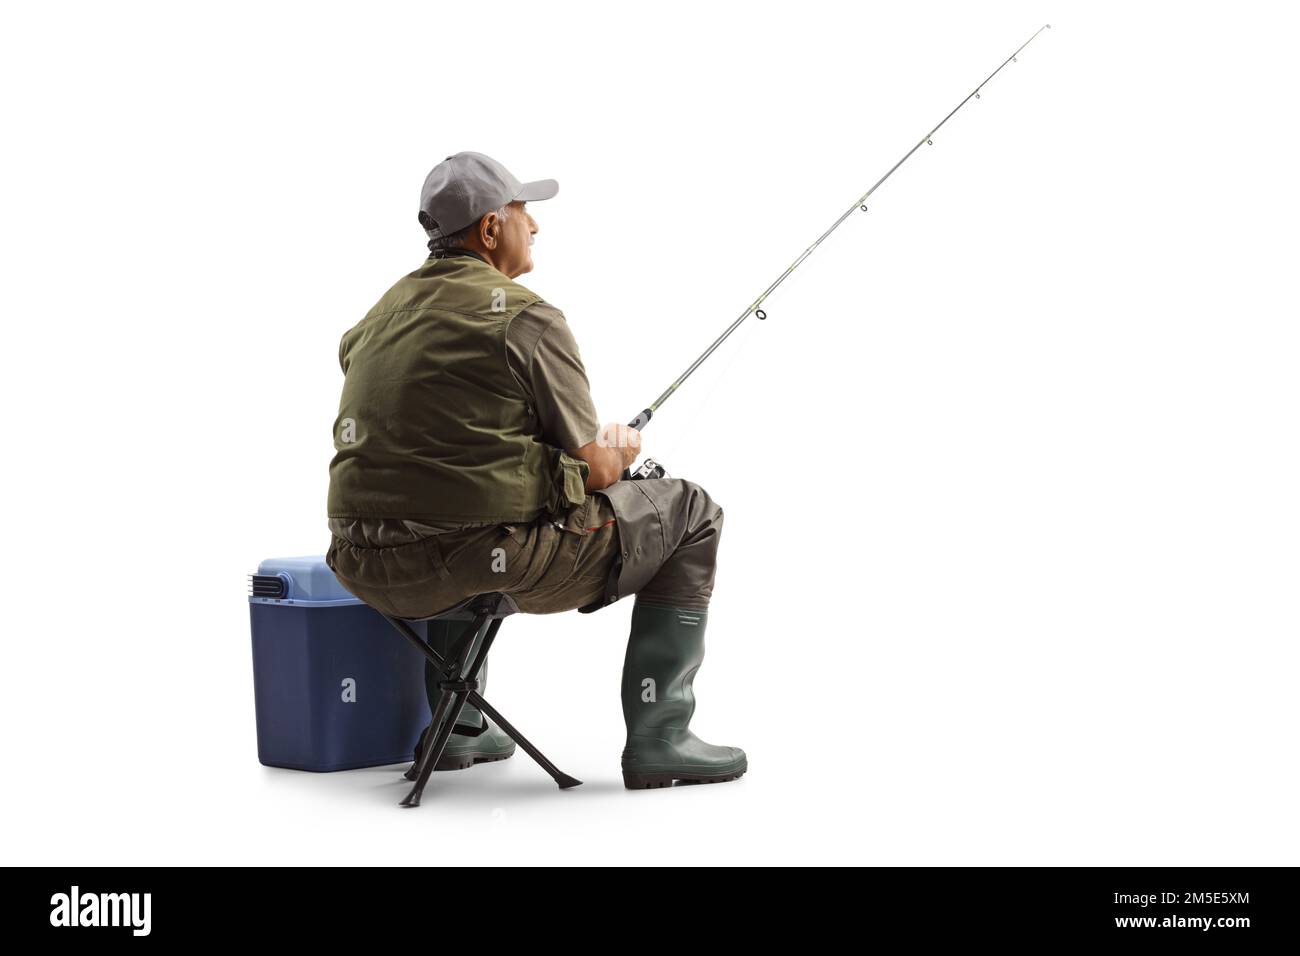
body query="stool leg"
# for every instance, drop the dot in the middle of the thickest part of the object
(430, 738)
(458, 652)
(562, 779)
(451, 703)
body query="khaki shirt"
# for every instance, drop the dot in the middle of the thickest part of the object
(543, 355)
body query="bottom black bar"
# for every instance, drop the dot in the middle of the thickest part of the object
(1226, 907)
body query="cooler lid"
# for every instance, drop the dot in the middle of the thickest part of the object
(298, 581)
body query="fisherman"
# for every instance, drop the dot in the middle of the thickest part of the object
(469, 460)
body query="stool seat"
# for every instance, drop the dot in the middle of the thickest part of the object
(502, 606)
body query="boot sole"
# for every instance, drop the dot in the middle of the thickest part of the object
(465, 761)
(650, 781)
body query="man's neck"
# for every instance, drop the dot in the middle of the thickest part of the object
(463, 251)
(451, 253)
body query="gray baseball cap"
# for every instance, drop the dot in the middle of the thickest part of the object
(467, 186)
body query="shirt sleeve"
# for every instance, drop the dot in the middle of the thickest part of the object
(544, 356)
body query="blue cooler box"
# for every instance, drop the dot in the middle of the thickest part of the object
(335, 686)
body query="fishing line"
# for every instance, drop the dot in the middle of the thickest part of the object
(652, 469)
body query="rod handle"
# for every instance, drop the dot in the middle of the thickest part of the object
(638, 423)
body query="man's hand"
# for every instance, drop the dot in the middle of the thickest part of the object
(623, 438)
(613, 451)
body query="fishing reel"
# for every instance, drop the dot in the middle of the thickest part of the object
(649, 469)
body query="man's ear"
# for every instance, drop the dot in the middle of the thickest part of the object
(489, 228)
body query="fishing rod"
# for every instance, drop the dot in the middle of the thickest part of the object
(652, 469)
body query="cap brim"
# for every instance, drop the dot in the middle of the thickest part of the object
(540, 189)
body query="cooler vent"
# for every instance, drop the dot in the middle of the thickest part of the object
(268, 586)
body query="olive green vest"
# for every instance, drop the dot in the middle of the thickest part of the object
(433, 423)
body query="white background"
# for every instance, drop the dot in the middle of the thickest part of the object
(1010, 471)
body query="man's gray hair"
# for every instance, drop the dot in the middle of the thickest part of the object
(456, 240)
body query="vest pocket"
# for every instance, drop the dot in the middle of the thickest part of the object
(568, 483)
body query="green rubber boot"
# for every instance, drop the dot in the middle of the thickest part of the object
(664, 650)
(462, 751)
